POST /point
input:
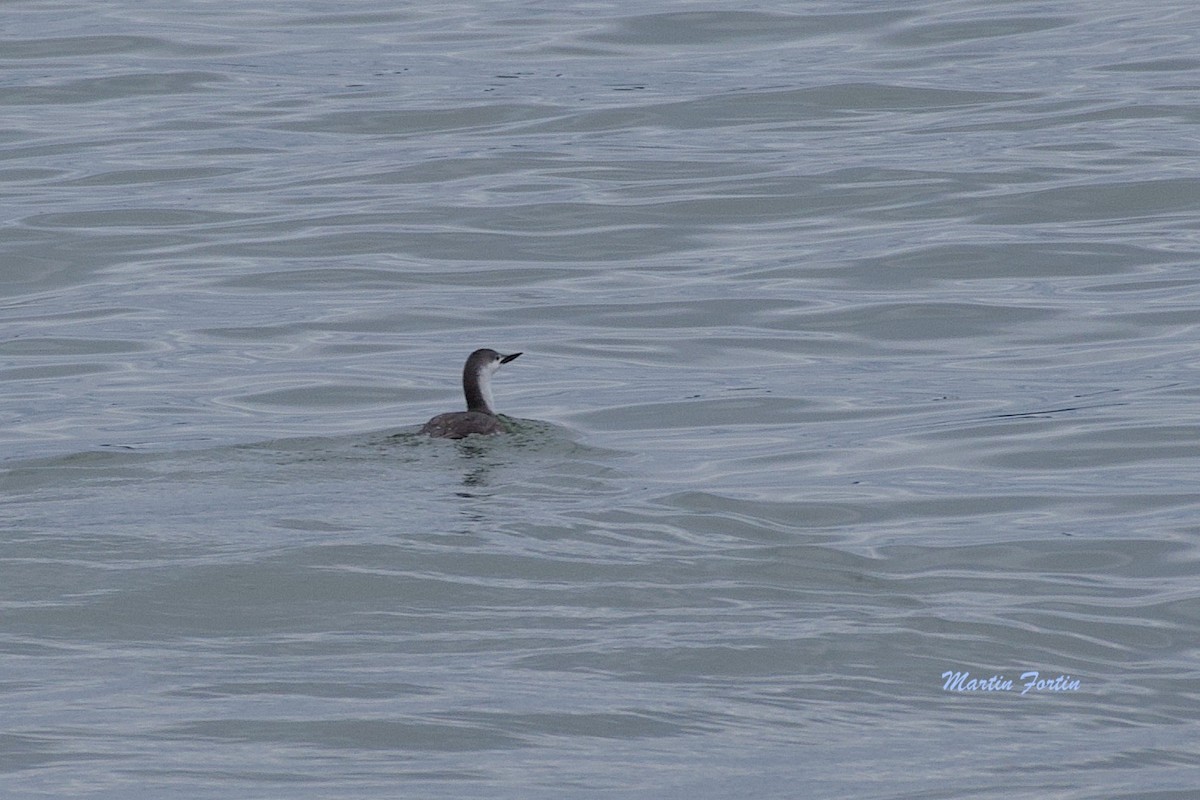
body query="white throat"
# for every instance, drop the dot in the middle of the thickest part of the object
(485, 386)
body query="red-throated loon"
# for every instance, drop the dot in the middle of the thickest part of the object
(479, 417)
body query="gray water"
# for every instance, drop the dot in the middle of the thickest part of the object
(860, 348)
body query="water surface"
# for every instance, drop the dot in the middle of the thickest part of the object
(860, 348)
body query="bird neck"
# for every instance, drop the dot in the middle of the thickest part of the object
(477, 387)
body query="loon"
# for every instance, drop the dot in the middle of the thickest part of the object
(479, 417)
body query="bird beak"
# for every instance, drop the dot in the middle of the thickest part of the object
(506, 359)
